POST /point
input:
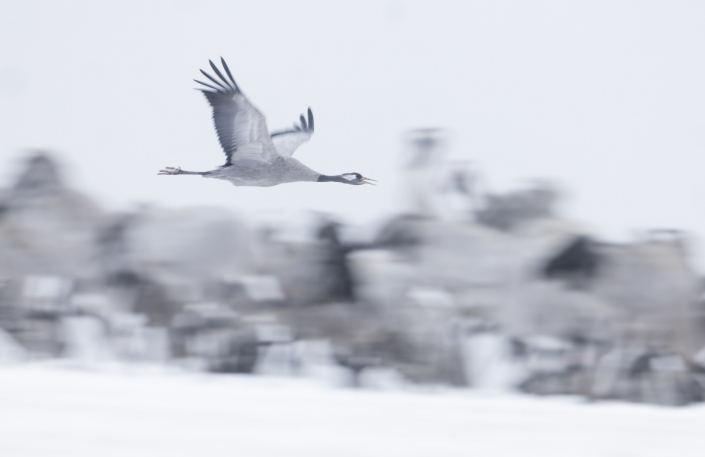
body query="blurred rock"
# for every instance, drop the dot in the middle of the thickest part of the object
(47, 228)
(466, 287)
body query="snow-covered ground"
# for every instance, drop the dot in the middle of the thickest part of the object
(49, 411)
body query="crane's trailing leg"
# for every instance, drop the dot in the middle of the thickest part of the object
(179, 171)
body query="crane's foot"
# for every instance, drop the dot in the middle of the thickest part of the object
(170, 171)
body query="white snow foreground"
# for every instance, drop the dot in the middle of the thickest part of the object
(47, 411)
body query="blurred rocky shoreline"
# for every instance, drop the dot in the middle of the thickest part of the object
(468, 288)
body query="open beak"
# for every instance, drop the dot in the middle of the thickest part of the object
(369, 181)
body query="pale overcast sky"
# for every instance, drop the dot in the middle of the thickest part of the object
(606, 98)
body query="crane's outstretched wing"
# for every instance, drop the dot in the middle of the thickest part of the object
(288, 141)
(242, 130)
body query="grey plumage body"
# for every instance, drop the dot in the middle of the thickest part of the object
(254, 156)
(255, 173)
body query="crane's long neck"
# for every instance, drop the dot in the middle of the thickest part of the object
(335, 178)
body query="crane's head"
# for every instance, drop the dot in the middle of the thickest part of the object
(356, 179)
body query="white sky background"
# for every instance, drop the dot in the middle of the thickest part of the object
(605, 98)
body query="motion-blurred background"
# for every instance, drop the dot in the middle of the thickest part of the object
(536, 226)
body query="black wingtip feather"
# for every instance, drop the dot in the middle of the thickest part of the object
(220, 75)
(207, 85)
(213, 79)
(310, 119)
(227, 70)
(303, 122)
